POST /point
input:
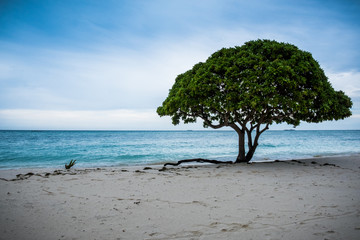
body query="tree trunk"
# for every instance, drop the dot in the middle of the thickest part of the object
(241, 156)
(250, 153)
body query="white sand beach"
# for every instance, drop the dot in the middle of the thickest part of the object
(308, 199)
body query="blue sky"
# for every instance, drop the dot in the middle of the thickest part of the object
(109, 64)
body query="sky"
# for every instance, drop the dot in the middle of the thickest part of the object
(108, 65)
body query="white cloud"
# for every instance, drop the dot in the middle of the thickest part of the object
(349, 82)
(74, 89)
(52, 119)
(29, 119)
(88, 120)
(107, 78)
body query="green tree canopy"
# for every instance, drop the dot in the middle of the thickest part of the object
(250, 87)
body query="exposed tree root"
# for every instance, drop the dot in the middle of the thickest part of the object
(200, 160)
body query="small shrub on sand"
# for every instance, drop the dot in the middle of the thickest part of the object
(71, 164)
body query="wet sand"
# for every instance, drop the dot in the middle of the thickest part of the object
(315, 198)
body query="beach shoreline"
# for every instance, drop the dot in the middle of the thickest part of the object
(317, 198)
(7, 173)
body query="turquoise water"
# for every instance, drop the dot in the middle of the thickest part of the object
(42, 149)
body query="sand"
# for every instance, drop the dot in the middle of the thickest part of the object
(308, 199)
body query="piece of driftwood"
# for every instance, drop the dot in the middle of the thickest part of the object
(200, 160)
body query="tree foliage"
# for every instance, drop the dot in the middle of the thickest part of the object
(252, 86)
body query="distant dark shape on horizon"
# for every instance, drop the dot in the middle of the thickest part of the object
(253, 86)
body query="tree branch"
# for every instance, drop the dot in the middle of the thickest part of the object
(265, 128)
(207, 119)
(236, 127)
(212, 125)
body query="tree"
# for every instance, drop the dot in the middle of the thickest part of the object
(253, 86)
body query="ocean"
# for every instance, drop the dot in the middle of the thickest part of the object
(52, 149)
